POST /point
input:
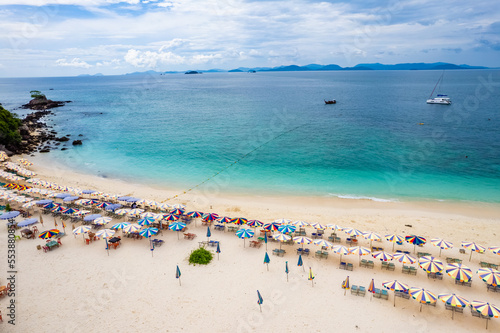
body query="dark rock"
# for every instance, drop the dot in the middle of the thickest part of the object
(80, 134)
(68, 134)
(45, 150)
(64, 148)
(62, 139)
(77, 142)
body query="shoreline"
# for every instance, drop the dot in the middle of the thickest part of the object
(213, 196)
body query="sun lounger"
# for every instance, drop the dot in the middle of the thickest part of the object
(406, 269)
(384, 294)
(354, 290)
(306, 252)
(350, 267)
(462, 251)
(362, 291)
(377, 293)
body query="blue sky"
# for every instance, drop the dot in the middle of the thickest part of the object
(71, 37)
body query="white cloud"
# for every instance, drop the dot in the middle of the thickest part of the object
(151, 59)
(75, 62)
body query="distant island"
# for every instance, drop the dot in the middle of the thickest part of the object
(316, 67)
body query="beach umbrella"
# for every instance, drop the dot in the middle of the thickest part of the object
(317, 226)
(359, 251)
(177, 211)
(334, 227)
(105, 233)
(163, 206)
(171, 217)
(179, 206)
(287, 228)
(218, 250)
(3, 156)
(311, 276)
(415, 240)
(300, 224)
(29, 204)
(282, 221)
(395, 285)
(152, 215)
(260, 300)
(286, 270)
(135, 211)
(459, 272)
(486, 309)
(323, 243)
(195, 214)
(346, 285)
(102, 220)
(58, 209)
(224, 219)
(210, 217)
(281, 238)
(145, 221)
(43, 202)
(103, 205)
(340, 249)
(301, 263)
(177, 226)
(453, 300)
(267, 260)
(178, 274)
(208, 233)
(122, 211)
(148, 232)
(302, 240)
(422, 295)
(131, 228)
(82, 202)
(83, 229)
(245, 233)
(48, 234)
(404, 258)
(273, 226)
(9, 215)
(442, 244)
(120, 225)
(353, 232)
(494, 249)
(61, 195)
(382, 256)
(70, 211)
(473, 247)
(371, 288)
(489, 275)
(431, 264)
(255, 223)
(27, 222)
(91, 217)
(372, 237)
(239, 220)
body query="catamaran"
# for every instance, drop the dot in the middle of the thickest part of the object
(439, 99)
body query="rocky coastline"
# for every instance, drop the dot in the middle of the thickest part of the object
(36, 135)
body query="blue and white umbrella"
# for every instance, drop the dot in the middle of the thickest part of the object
(245, 233)
(285, 229)
(9, 215)
(70, 198)
(146, 221)
(177, 226)
(148, 232)
(91, 217)
(27, 222)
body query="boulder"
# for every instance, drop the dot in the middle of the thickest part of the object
(77, 142)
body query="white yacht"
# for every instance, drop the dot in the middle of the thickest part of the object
(440, 99)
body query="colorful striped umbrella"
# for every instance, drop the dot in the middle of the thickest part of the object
(102, 220)
(360, 251)
(287, 228)
(404, 258)
(282, 221)
(340, 249)
(395, 285)
(372, 237)
(135, 211)
(442, 244)
(382, 255)
(177, 211)
(151, 215)
(195, 214)
(245, 233)
(239, 221)
(83, 229)
(345, 284)
(273, 226)
(302, 240)
(459, 272)
(177, 226)
(353, 232)
(70, 211)
(146, 221)
(334, 227)
(210, 217)
(371, 287)
(255, 223)
(122, 211)
(48, 234)
(317, 226)
(300, 224)
(148, 232)
(281, 237)
(171, 217)
(131, 228)
(494, 249)
(486, 309)
(423, 296)
(120, 225)
(224, 219)
(105, 233)
(489, 275)
(431, 264)
(454, 300)
(323, 243)
(163, 206)
(473, 247)
(415, 240)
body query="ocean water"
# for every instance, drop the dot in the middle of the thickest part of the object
(271, 133)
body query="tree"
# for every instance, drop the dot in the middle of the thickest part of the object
(37, 94)
(9, 125)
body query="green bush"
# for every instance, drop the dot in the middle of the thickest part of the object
(7, 208)
(200, 256)
(9, 125)
(37, 94)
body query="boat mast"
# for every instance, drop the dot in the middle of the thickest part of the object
(436, 84)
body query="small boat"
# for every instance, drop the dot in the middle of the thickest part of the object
(439, 99)
(332, 101)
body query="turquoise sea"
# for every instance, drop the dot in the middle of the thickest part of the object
(179, 130)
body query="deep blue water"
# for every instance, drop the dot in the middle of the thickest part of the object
(178, 130)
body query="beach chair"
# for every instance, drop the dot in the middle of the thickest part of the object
(306, 252)
(484, 264)
(350, 267)
(384, 294)
(474, 312)
(354, 290)
(343, 265)
(370, 264)
(406, 269)
(462, 251)
(299, 250)
(318, 254)
(361, 291)
(337, 240)
(45, 248)
(391, 266)
(377, 293)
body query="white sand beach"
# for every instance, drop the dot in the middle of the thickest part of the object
(79, 288)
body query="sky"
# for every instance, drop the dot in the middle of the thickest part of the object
(72, 37)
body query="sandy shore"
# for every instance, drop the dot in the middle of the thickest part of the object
(78, 288)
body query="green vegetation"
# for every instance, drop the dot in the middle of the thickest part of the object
(200, 256)
(8, 208)
(37, 94)
(9, 125)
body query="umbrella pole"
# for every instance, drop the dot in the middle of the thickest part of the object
(260, 306)
(243, 242)
(420, 307)
(393, 244)
(470, 259)
(177, 234)
(267, 267)
(107, 246)
(394, 298)
(452, 313)
(440, 249)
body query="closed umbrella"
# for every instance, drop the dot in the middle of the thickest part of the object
(311, 276)
(208, 233)
(345, 284)
(301, 263)
(267, 260)
(260, 300)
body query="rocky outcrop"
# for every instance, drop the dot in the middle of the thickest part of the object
(42, 103)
